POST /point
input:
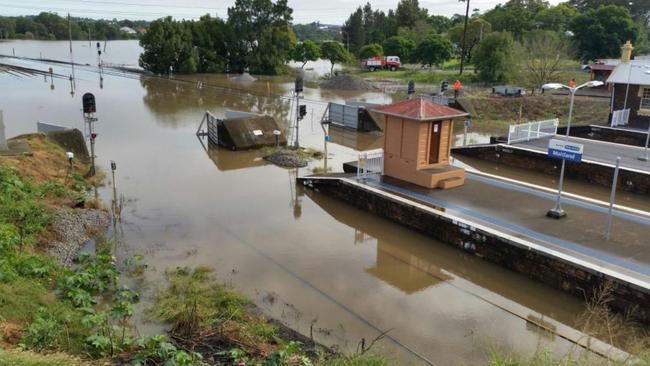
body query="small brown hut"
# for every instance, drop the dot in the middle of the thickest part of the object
(417, 143)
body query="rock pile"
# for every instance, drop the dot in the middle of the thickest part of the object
(347, 82)
(286, 159)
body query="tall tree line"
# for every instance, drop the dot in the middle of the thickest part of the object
(257, 36)
(51, 26)
(596, 28)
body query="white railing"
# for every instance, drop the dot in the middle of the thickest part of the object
(532, 130)
(370, 162)
(620, 117)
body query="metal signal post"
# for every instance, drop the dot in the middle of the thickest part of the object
(89, 109)
(299, 86)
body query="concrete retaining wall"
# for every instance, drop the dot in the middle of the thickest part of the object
(608, 134)
(559, 273)
(602, 175)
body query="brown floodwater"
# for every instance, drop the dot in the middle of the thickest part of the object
(305, 259)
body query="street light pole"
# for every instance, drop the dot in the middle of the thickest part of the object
(557, 211)
(463, 41)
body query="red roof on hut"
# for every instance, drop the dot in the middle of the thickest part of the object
(420, 109)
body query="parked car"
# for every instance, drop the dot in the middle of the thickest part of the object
(391, 63)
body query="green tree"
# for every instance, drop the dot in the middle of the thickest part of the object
(335, 53)
(399, 46)
(263, 38)
(556, 18)
(418, 32)
(304, 52)
(439, 23)
(371, 50)
(408, 12)
(434, 50)
(542, 53)
(477, 28)
(162, 46)
(353, 31)
(209, 37)
(493, 57)
(638, 9)
(515, 16)
(600, 33)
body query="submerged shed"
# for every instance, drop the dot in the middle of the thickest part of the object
(351, 115)
(246, 132)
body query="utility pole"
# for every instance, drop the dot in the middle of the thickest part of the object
(70, 36)
(462, 48)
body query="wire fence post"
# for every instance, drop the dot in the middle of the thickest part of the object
(612, 197)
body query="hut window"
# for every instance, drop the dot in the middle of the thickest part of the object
(645, 98)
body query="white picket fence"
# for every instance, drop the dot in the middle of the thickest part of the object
(620, 117)
(370, 162)
(532, 130)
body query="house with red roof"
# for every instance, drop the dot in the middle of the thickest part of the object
(418, 135)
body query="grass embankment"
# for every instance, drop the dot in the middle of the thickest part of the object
(80, 315)
(225, 328)
(35, 307)
(450, 71)
(491, 113)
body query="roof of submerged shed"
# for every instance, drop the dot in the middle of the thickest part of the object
(420, 109)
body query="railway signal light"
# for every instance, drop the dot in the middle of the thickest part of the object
(302, 111)
(88, 101)
(299, 85)
(444, 86)
(411, 87)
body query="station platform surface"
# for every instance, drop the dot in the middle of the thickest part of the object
(595, 151)
(520, 211)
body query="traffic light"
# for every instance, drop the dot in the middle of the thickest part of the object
(444, 86)
(302, 111)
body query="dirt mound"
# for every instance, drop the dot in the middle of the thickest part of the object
(347, 82)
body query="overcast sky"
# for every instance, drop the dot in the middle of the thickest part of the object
(305, 11)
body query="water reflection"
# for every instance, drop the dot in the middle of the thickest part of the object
(413, 266)
(166, 98)
(356, 140)
(227, 160)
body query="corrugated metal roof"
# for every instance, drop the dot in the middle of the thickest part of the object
(636, 72)
(420, 109)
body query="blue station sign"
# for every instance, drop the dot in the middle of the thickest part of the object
(565, 150)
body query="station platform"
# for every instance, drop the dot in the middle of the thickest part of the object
(520, 211)
(514, 215)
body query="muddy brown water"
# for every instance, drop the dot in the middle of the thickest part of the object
(310, 261)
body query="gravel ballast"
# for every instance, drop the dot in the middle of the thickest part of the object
(72, 228)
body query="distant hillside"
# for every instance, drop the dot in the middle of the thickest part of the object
(317, 32)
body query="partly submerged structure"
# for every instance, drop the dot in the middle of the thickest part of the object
(242, 131)
(351, 115)
(418, 135)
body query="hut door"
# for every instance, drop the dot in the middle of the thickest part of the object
(434, 146)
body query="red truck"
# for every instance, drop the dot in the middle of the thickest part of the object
(391, 63)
